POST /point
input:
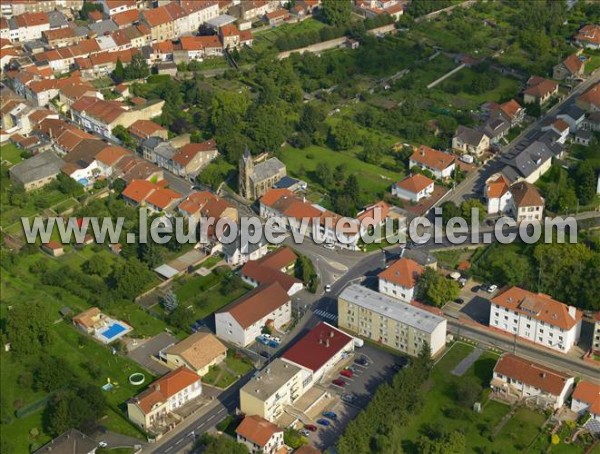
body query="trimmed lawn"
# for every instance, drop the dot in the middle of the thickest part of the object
(240, 366)
(520, 431)
(373, 180)
(265, 40)
(11, 153)
(452, 257)
(219, 377)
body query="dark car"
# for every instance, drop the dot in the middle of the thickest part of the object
(362, 361)
(324, 422)
(346, 373)
(331, 415)
(459, 300)
(310, 427)
(401, 363)
(348, 398)
(264, 354)
(339, 382)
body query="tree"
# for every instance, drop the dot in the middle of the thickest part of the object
(372, 151)
(79, 406)
(218, 444)
(51, 373)
(293, 438)
(324, 174)
(336, 12)
(447, 443)
(352, 189)
(466, 391)
(87, 8)
(131, 278)
(585, 178)
(118, 74)
(472, 204)
(343, 135)
(137, 68)
(152, 254)
(98, 266)
(449, 210)
(435, 289)
(28, 327)
(182, 318)
(123, 135)
(312, 117)
(268, 128)
(68, 185)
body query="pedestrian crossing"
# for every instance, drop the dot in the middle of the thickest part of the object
(326, 315)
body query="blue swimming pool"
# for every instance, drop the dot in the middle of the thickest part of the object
(113, 330)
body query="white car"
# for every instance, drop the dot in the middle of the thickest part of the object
(276, 339)
(492, 288)
(102, 444)
(330, 246)
(327, 288)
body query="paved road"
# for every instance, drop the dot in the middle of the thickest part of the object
(472, 185)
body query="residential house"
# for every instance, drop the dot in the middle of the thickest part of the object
(471, 141)
(144, 129)
(199, 12)
(399, 280)
(69, 94)
(529, 164)
(570, 68)
(573, 116)
(81, 164)
(37, 171)
(588, 36)
(440, 164)
(154, 196)
(539, 90)
(198, 352)
(54, 248)
(318, 352)
(207, 205)
(267, 270)
(132, 167)
(413, 188)
(512, 111)
(382, 319)
(259, 435)
(586, 399)
(192, 48)
(497, 194)
(241, 321)
(238, 252)
(590, 100)
(108, 158)
(160, 23)
(531, 382)
(28, 26)
(536, 317)
(496, 128)
(150, 409)
(526, 203)
(89, 320)
(252, 9)
(104, 63)
(72, 441)
(274, 387)
(126, 18)
(62, 37)
(560, 127)
(114, 7)
(583, 137)
(257, 176)
(190, 159)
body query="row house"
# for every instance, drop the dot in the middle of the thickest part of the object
(154, 196)
(28, 26)
(537, 318)
(62, 37)
(528, 164)
(192, 48)
(160, 23)
(199, 12)
(63, 59)
(207, 205)
(267, 270)
(126, 18)
(186, 161)
(41, 92)
(67, 95)
(11, 8)
(144, 129)
(113, 7)
(103, 63)
(253, 9)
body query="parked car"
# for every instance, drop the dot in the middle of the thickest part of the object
(327, 288)
(339, 382)
(273, 344)
(462, 281)
(276, 339)
(362, 361)
(329, 246)
(264, 354)
(331, 415)
(324, 422)
(305, 433)
(102, 444)
(346, 373)
(459, 300)
(492, 288)
(310, 427)
(348, 398)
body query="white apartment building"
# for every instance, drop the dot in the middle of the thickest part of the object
(242, 321)
(267, 394)
(516, 377)
(399, 280)
(537, 318)
(383, 319)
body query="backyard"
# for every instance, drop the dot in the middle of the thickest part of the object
(9, 152)
(224, 375)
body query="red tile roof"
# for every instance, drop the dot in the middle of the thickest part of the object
(274, 195)
(165, 387)
(126, 17)
(526, 195)
(540, 87)
(539, 306)
(589, 33)
(257, 304)
(548, 380)
(415, 183)
(497, 187)
(31, 19)
(573, 64)
(258, 430)
(589, 393)
(403, 272)
(317, 347)
(163, 197)
(279, 258)
(510, 108)
(432, 158)
(139, 190)
(592, 96)
(185, 154)
(265, 275)
(145, 128)
(105, 111)
(111, 155)
(157, 16)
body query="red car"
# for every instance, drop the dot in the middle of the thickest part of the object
(310, 427)
(339, 382)
(346, 373)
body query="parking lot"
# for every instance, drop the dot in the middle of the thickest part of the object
(144, 353)
(361, 386)
(476, 304)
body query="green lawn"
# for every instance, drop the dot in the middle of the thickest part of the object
(373, 180)
(219, 377)
(10, 152)
(452, 257)
(265, 40)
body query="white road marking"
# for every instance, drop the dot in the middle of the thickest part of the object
(179, 441)
(211, 418)
(169, 448)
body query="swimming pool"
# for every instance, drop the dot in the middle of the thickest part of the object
(113, 330)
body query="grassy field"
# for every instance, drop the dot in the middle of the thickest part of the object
(265, 40)
(226, 374)
(452, 257)
(373, 180)
(9, 152)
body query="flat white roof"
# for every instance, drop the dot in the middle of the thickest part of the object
(391, 308)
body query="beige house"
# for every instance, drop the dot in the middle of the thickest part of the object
(152, 409)
(571, 67)
(539, 90)
(526, 203)
(470, 141)
(197, 352)
(37, 171)
(259, 435)
(193, 157)
(89, 320)
(267, 394)
(386, 320)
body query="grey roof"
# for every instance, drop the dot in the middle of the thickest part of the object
(57, 20)
(271, 379)
(510, 173)
(573, 112)
(267, 169)
(582, 134)
(220, 21)
(81, 30)
(31, 46)
(469, 135)
(41, 166)
(550, 138)
(496, 126)
(391, 308)
(421, 257)
(102, 27)
(529, 160)
(165, 150)
(285, 182)
(72, 442)
(246, 247)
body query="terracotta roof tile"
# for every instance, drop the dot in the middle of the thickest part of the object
(432, 158)
(198, 350)
(258, 430)
(166, 386)
(526, 195)
(185, 154)
(415, 183)
(145, 128)
(403, 272)
(163, 197)
(497, 188)
(589, 393)
(139, 190)
(533, 374)
(112, 154)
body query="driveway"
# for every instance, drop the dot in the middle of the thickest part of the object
(143, 354)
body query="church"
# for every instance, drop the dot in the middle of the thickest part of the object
(258, 175)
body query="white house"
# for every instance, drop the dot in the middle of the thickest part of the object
(273, 267)
(497, 194)
(525, 380)
(318, 352)
(243, 320)
(399, 280)
(413, 188)
(537, 318)
(440, 164)
(586, 398)
(259, 435)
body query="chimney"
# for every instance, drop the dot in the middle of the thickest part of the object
(572, 311)
(327, 343)
(543, 374)
(331, 333)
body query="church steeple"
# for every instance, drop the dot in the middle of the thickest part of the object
(246, 170)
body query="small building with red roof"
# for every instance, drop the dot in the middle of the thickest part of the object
(273, 268)
(571, 67)
(260, 435)
(586, 398)
(399, 280)
(143, 129)
(413, 188)
(54, 248)
(190, 159)
(318, 352)
(440, 164)
(539, 90)
(497, 194)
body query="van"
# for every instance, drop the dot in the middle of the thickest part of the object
(467, 158)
